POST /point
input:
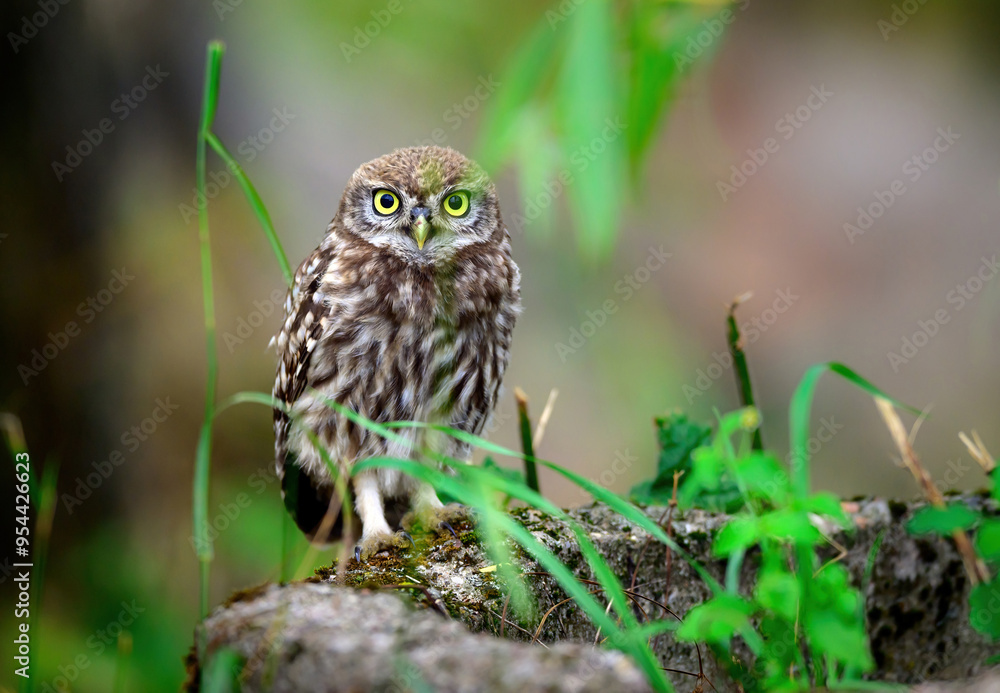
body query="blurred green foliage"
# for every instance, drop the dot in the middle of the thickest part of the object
(583, 98)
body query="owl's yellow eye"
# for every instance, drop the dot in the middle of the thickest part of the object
(385, 201)
(457, 203)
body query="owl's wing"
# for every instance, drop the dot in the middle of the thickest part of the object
(306, 315)
(304, 312)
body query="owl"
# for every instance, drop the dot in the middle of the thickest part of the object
(404, 312)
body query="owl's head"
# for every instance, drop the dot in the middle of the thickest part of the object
(421, 204)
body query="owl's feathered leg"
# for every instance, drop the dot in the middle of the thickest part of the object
(431, 515)
(376, 535)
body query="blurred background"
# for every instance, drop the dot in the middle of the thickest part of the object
(654, 160)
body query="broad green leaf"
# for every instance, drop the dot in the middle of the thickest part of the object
(656, 34)
(591, 124)
(717, 620)
(828, 505)
(678, 438)
(519, 83)
(762, 474)
(738, 535)
(779, 651)
(539, 180)
(844, 641)
(984, 608)
(988, 540)
(789, 525)
(944, 521)
(778, 591)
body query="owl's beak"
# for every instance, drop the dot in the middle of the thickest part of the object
(421, 227)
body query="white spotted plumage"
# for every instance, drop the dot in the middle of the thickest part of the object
(395, 331)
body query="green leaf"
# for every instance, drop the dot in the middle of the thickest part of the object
(789, 525)
(779, 653)
(653, 74)
(538, 157)
(590, 120)
(944, 521)
(717, 620)
(519, 83)
(738, 535)
(988, 540)
(778, 590)
(678, 438)
(833, 592)
(827, 505)
(844, 641)
(762, 474)
(984, 608)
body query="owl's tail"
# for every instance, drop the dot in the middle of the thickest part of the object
(317, 510)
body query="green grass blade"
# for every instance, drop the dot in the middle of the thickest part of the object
(620, 638)
(222, 672)
(256, 204)
(743, 383)
(798, 414)
(611, 499)
(203, 541)
(530, 467)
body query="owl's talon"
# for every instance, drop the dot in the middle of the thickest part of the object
(438, 519)
(446, 525)
(406, 535)
(377, 543)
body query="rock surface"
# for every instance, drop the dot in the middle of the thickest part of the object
(331, 638)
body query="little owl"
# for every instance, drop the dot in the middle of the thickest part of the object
(403, 313)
